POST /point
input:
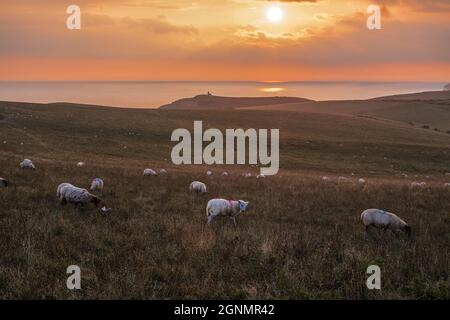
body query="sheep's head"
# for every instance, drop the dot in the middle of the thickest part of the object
(407, 229)
(96, 201)
(243, 205)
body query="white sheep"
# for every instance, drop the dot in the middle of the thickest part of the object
(260, 176)
(67, 192)
(418, 184)
(97, 184)
(209, 173)
(3, 183)
(248, 175)
(27, 164)
(163, 171)
(361, 181)
(150, 172)
(384, 220)
(224, 207)
(224, 174)
(80, 164)
(344, 179)
(447, 184)
(198, 187)
(325, 178)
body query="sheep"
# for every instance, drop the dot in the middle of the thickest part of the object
(230, 208)
(58, 190)
(361, 181)
(3, 183)
(447, 184)
(209, 173)
(325, 178)
(418, 184)
(344, 179)
(80, 164)
(260, 176)
(163, 171)
(27, 164)
(150, 172)
(224, 174)
(198, 187)
(384, 220)
(67, 192)
(248, 175)
(97, 184)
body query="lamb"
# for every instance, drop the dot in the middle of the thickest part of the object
(67, 192)
(384, 220)
(209, 173)
(150, 172)
(418, 184)
(224, 207)
(27, 164)
(198, 187)
(97, 184)
(3, 183)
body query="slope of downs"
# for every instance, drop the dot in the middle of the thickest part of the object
(432, 114)
(216, 102)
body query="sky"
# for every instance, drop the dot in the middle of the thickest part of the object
(315, 40)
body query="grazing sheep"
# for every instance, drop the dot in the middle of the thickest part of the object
(3, 183)
(209, 173)
(248, 175)
(27, 164)
(418, 184)
(447, 184)
(384, 220)
(67, 192)
(224, 207)
(344, 179)
(97, 184)
(150, 172)
(361, 181)
(260, 176)
(80, 164)
(58, 191)
(164, 171)
(224, 174)
(198, 187)
(325, 178)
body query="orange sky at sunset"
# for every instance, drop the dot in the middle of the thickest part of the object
(225, 40)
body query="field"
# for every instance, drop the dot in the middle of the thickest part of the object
(301, 239)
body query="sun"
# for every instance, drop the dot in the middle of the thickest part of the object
(274, 14)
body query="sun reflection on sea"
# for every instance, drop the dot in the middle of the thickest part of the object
(272, 89)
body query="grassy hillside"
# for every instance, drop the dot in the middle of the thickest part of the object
(302, 237)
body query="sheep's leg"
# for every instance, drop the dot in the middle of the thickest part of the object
(234, 220)
(210, 219)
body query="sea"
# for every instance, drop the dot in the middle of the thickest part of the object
(152, 94)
